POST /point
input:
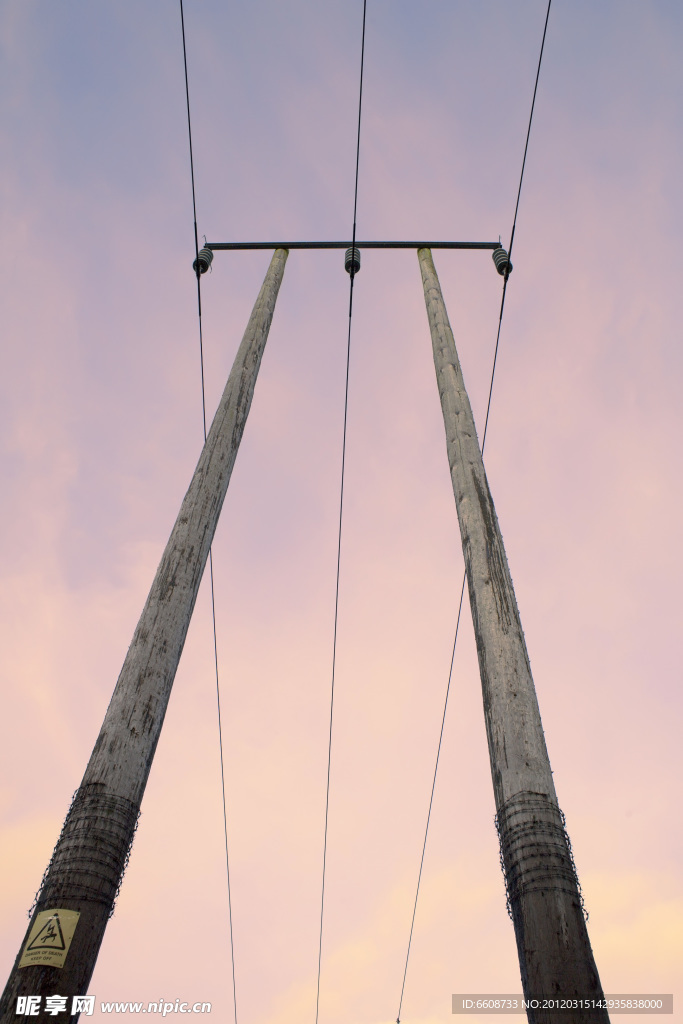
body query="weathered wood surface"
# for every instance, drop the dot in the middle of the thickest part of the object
(90, 856)
(554, 950)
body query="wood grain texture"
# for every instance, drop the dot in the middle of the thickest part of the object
(552, 941)
(91, 853)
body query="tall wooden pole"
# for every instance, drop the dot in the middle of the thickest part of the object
(83, 877)
(555, 955)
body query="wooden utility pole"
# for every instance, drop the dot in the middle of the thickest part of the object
(59, 951)
(555, 955)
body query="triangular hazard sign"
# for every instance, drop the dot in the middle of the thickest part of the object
(49, 937)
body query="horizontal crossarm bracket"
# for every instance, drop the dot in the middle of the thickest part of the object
(215, 246)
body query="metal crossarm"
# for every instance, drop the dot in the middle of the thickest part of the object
(215, 246)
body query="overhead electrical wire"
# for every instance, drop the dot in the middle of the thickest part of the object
(483, 444)
(211, 579)
(352, 274)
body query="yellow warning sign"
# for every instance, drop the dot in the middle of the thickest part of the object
(50, 938)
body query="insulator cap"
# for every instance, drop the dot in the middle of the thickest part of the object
(502, 261)
(352, 260)
(203, 260)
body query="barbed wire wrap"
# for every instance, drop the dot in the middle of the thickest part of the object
(51, 861)
(535, 850)
(93, 849)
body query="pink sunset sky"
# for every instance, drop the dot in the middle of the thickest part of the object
(101, 429)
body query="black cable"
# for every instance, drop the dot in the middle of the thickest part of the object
(483, 444)
(194, 200)
(213, 597)
(431, 800)
(514, 224)
(355, 191)
(526, 145)
(341, 510)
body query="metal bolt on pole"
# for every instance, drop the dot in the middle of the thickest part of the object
(554, 951)
(60, 948)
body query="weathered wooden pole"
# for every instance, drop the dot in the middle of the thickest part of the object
(59, 951)
(555, 955)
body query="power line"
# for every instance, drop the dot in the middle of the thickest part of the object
(352, 274)
(483, 444)
(431, 801)
(514, 224)
(211, 578)
(528, 133)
